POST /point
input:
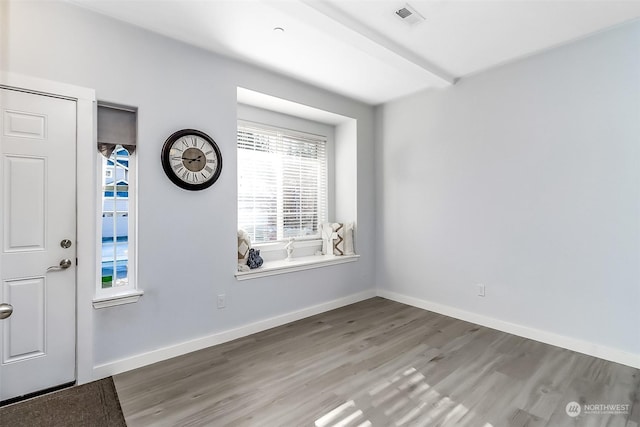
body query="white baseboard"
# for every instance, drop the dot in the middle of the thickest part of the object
(144, 359)
(574, 344)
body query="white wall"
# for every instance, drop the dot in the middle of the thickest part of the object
(187, 240)
(346, 184)
(525, 178)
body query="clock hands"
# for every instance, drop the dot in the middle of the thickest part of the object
(191, 160)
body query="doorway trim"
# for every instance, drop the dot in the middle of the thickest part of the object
(85, 195)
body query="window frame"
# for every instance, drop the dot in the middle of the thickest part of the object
(274, 250)
(129, 293)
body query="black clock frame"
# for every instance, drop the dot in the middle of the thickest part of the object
(168, 170)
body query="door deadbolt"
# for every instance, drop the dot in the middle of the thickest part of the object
(5, 310)
(66, 243)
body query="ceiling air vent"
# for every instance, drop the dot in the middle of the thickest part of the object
(409, 15)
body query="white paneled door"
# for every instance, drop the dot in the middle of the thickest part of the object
(38, 238)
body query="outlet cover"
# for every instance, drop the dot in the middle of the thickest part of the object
(222, 301)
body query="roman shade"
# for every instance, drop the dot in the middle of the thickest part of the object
(116, 126)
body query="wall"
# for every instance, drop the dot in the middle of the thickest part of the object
(525, 178)
(186, 240)
(346, 187)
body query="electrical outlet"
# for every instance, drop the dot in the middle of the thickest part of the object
(480, 290)
(222, 301)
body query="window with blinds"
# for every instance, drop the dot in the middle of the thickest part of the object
(282, 182)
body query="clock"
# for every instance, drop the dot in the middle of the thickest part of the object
(191, 159)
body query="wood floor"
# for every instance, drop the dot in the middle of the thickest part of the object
(380, 363)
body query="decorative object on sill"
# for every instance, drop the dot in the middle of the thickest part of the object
(244, 244)
(255, 260)
(289, 247)
(328, 236)
(348, 238)
(337, 239)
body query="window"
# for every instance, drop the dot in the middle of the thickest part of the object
(115, 219)
(282, 182)
(117, 180)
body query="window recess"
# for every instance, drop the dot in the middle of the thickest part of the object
(117, 206)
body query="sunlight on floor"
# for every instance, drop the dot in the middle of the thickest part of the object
(403, 399)
(341, 416)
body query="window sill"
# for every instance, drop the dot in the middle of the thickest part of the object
(272, 268)
(281, 245)
(126, 297)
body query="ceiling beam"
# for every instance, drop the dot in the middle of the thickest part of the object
(335, 14)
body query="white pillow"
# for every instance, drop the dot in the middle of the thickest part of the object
(338, 244)
(343, 245)
(244, 244)
(348, 238)
(327, 230)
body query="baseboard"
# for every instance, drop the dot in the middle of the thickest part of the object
(580, 346)
(144, 359)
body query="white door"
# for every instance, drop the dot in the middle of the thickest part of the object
(38, 223)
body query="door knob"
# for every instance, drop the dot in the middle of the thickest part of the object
(64, 264)
(5, 310)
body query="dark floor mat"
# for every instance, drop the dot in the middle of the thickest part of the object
(89, 405)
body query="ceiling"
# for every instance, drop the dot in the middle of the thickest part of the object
(361, 48)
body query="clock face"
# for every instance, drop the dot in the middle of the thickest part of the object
(191, 159)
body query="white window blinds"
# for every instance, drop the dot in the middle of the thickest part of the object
(282, 182)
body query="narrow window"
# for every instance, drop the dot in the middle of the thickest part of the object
(117, 201)
(115, 219)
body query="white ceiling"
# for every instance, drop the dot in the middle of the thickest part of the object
(360, 48)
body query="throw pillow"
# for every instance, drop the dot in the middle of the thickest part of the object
(244, 244)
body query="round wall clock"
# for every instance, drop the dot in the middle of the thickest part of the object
(191, 159)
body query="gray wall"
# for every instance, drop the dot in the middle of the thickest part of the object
(525, 178)
(187, 240)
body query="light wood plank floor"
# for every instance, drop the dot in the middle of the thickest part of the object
(379, 363)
